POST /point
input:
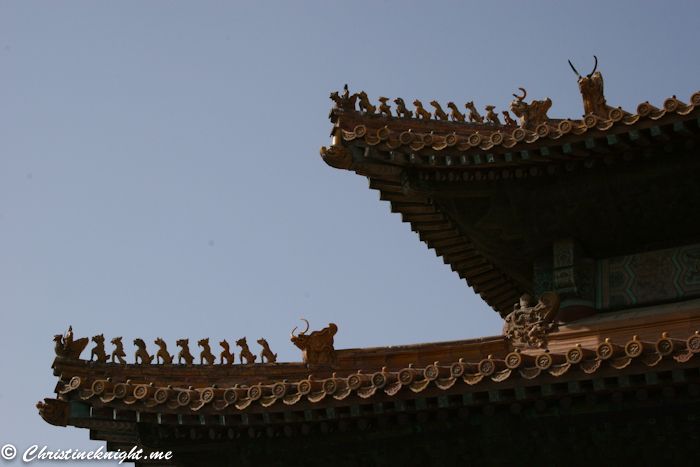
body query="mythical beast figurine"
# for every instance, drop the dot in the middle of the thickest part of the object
(531, 115)
(226, 354)
(266, 353)
(245, 352)
(401, 110)
(141, 353)
(591, 88)
(118, 353)
(528, 324)
(99, 350)
(473, 114)
(317, 347)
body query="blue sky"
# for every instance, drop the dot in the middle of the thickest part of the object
(160, 176)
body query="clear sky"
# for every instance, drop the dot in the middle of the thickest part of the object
(160, 175)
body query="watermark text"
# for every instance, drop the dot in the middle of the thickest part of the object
(36, 453)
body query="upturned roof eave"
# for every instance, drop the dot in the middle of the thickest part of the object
(412, 176)
(666, 337)
(380, 135)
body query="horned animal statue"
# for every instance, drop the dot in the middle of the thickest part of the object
(317, 347)
(591, 88)
(531, 115)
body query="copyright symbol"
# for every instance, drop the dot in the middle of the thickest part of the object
(9, 452)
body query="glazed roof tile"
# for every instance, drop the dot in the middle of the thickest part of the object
(578, 360)
(401, 138)
(415, 162)
(577, 352)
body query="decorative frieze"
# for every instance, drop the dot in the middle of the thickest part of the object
(651, 277)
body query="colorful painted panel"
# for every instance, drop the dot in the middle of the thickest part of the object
(652, 277)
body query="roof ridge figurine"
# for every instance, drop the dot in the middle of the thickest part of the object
(163, 352)
(456, 115)
(345, 100)
(317, 347)
(473, 114)
(67, 347)
(99, 349)
(206, 354)
(226, 353)
(401, 110)
(439, 114)
(421, 113)
(266, 353)
(531, 115)
(383, 107)
(365, 105)
(507, 118)
(118, 351)
(491, 116)
(591, 88)
(245, 351)
(141, 352)
(184, 352)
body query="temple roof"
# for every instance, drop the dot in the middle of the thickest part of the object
(444, 139)
(491, 198)
(640, 363)
(610, 369)
(665, 337)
